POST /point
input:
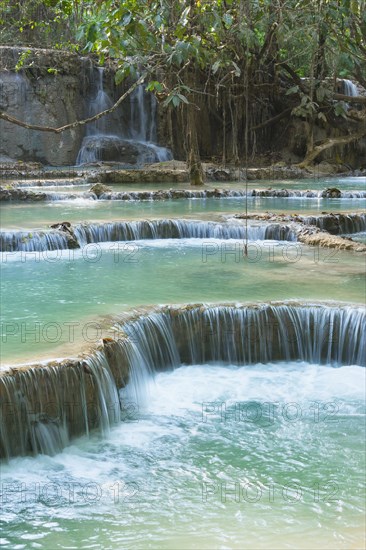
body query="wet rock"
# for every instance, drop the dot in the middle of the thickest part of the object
(66, 227)
(331, 193)
(282, 193)
(219, 174)
(62, 226)
(149, 175)
(20, 195)
(99, 188)
(325, 240)
(115, 149)
(92, 177)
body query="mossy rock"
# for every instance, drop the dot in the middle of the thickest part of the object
(99, 188)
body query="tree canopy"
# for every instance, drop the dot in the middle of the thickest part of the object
(249, 61)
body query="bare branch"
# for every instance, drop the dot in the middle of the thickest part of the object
(328, 143)
(351, 99)
(273, 119)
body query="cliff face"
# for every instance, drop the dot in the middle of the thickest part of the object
(56, 87)
(51, 88)
(37, 96)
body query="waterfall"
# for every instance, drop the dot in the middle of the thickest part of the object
(349, 88)
(222, 194)
(108, 406)
(82, 234)
(31, 241)
(107, 140)
(153, 111)
(138, 152)
(178, 229)
(337, 224)
(139, 128)
(43, 407)
(245, 335)
(99, 103)
(85, 233)
(90, 150)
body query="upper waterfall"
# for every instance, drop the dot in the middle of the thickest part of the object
(131, 142)
(349, 88)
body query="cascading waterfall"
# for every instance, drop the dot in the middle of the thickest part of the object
(178, 229)
(86, 233)
(100, 129)
(337, 224)
(83, 234)
(150, 153)
(31, 241)
(100, 103)
(108, 140)
(222, 193)
(43, 407)
(245, 335)
(349, 88)
(139, 120)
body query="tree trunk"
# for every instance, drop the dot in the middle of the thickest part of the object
(193, 154)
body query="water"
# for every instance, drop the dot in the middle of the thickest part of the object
(28, 216)
(350, 88)
(233, 460)
(344, 184)
(82, 234)
(80, 286)
(131, 144)
(208, 455)
(359, 237)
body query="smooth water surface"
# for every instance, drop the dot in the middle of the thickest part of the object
(39, 215)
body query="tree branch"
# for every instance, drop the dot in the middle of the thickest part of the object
(328, 143)
(295, 77)
(273, 119)
(351, 99)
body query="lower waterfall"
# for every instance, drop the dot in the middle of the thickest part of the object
(43, 407)
(82, 234)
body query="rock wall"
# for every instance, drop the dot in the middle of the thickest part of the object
(51, 88)
(55, 87)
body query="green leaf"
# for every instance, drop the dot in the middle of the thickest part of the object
(216, 66)
(183, 98)
(91, 33)
(293, 90)
(228, 20)
(237, 71)
(121, 74)
(154, 86)
(320, 94)
(340, 109)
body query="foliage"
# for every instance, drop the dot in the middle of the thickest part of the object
(238, 56)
